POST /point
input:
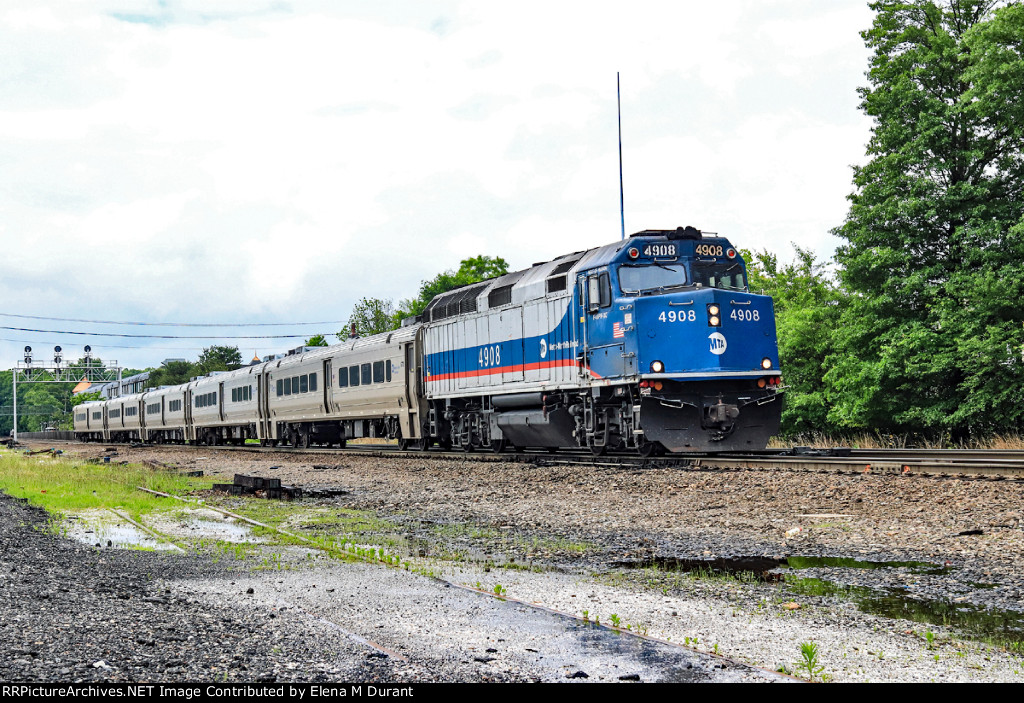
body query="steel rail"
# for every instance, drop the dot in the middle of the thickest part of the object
(904, 462)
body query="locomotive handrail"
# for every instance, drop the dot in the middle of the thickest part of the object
(688, 302)
(740, 302)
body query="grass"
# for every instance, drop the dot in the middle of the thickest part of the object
(886, 441)
(66, 486)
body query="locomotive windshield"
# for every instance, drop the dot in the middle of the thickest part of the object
(653, 278)
(720, 275)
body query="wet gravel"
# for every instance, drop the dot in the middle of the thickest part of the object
(568, 532)
(73, 613)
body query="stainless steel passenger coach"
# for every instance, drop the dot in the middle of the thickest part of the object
(650, 344)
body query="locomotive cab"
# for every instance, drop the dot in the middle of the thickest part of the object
(682, 356)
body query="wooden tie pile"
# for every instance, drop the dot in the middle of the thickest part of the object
(259, 486)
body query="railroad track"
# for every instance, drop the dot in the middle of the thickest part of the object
(998, 464)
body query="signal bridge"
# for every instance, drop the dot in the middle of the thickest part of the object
(28, 371)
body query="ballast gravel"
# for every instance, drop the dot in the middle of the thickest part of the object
(558, 536)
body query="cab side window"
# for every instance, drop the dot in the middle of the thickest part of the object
(599, 292)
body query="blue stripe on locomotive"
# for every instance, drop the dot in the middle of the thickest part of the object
(497, 359)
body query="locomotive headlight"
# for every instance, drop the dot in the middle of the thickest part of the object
(713, 315)
(657, 367)
(766, 363)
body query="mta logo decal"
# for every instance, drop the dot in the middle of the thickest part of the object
(543, 348)
(718, 343)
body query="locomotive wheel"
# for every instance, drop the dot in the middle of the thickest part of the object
(498, 445)
(649, 449)
(403, 444)
(598, 451)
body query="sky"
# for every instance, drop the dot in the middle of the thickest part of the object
(260, 161)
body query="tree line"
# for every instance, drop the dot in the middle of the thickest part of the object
(916, 327)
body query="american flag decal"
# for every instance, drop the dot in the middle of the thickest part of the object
(618, 331)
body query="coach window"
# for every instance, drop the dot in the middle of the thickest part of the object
(287, 386)
(280, 387)
(312, 382)
(304, 383)
(378, 372)
(343, 378)
(364, 374)
(353, 375)
(295, 385)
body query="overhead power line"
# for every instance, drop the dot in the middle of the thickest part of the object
(105, 346)
(156, 336)
(173, 324)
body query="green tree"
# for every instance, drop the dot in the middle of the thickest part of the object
(86, 398)
(371, 316)
(317, 340)
(471, 270)
(930, 231)
(219, 359)
(808, 303)
(173, 373)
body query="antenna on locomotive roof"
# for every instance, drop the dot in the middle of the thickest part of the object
(622, 208)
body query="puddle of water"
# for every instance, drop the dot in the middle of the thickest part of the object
(1001, 626)
(916, 567)
(93, 530)
(225, 531)
(757, 565)
(202, 524)
(764, 567)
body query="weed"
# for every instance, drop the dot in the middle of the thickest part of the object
(809, 662)
(499, 590)
(616, 620)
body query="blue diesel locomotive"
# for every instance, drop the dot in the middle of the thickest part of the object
(654, 343)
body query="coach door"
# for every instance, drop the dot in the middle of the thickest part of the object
(410, 379)
(189, 434)
(328, 386)
(263, 405)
